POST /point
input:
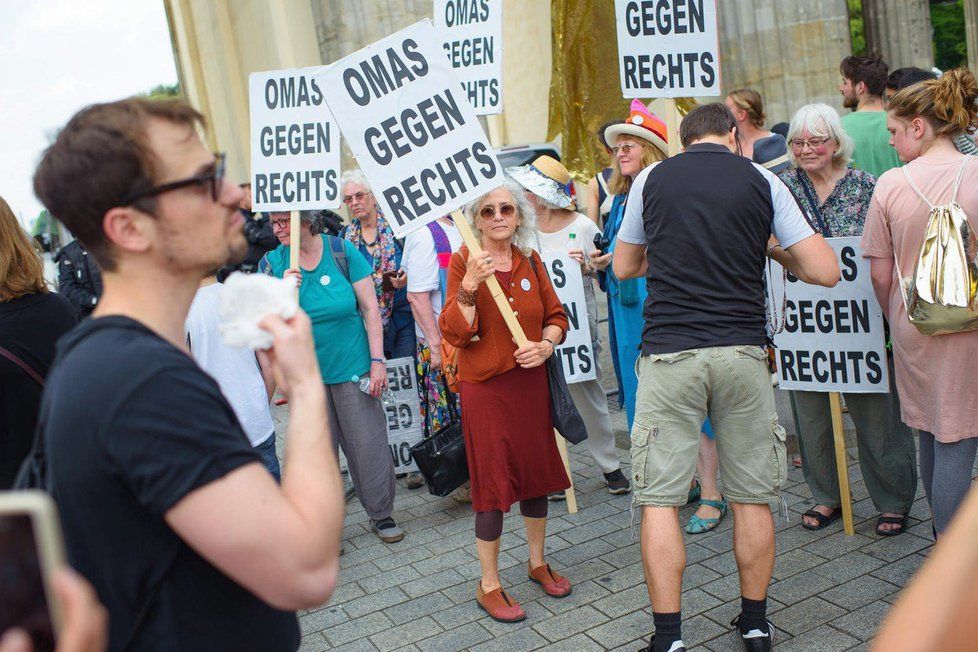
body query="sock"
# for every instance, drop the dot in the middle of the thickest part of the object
(668, 630)
(753, 615)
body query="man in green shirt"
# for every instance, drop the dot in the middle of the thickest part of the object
(862, 88)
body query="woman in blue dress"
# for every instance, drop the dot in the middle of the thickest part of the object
(637, 143)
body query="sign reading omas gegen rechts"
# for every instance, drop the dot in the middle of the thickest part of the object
(472, 34)
(405, 116)
(668, 48)
(295, 145)
(832, 339)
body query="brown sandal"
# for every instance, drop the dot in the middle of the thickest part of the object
(499, 605)
(555, 585)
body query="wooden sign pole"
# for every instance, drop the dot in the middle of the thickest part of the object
(841, 462)
(502, 302)
(672, 126)
(294, 235)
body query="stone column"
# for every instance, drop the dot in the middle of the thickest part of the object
(788, 50)
(901, 31)
(971, 31)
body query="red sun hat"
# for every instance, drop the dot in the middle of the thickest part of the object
(643, 124)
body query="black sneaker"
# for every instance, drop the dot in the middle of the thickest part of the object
(755, 640)
(556, 497)
(617, 482)
(387, 530)
(677, 646)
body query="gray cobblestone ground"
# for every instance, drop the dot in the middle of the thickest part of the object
(829, 592)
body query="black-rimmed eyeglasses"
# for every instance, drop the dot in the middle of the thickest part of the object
(214, 178)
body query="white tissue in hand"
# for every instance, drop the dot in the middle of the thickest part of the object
(246, 299)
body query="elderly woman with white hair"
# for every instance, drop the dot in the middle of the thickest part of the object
(836, 199)
(509, 436)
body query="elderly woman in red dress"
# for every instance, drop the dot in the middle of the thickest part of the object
(509, 437)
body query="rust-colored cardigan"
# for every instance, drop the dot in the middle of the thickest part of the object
(486, 347)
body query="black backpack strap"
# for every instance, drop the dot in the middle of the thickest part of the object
(338, 251)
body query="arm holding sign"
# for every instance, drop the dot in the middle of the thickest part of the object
(794, 244)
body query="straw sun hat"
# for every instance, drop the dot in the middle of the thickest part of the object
(546, 178)
(643, 124)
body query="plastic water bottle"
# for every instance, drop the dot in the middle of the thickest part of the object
(386, 397)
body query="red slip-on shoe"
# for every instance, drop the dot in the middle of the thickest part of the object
(555, 585)
(499, 605)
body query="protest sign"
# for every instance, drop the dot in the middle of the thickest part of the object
(832, 339)
(405, 117)
(404, 426)
(576, 354)
(472, 37)
(668, 48)
(295, 145)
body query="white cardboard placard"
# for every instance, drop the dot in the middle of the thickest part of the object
(668, 48)
(833, 337)
(472, 38)
(416, 137)
(576, 354)
(404, 426)
(295, 144)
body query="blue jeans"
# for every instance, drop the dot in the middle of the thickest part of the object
(268, 457)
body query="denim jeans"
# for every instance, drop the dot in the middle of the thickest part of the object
(268, 457)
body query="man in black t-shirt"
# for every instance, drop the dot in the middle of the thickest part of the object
(165, 506)
(697, 226)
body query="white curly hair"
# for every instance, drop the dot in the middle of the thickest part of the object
(525, 236)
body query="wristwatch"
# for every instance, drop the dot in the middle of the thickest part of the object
(553, 347)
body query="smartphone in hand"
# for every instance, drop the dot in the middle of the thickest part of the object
(386, 284)
(31, 548)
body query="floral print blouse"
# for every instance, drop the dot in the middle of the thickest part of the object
(844, 212)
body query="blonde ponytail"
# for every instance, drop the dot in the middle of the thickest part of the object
(948, 103)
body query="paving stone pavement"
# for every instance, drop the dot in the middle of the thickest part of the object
(829, 592)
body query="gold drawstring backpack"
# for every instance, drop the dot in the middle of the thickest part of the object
(940, 297)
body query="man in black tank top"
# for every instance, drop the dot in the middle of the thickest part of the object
(697, 227)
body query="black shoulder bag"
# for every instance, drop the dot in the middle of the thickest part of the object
(820, 224)
(441, 456)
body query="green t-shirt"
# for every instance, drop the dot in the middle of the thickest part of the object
(873, 153)
(329, 300)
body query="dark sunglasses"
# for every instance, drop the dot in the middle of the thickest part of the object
(214, 178)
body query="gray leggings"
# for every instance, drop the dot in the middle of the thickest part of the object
(945, 470)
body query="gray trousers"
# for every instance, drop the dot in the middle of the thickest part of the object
(887, 455)
(945, 470)
(358, 425)
(591, 402)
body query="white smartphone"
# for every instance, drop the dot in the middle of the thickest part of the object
(31, 548)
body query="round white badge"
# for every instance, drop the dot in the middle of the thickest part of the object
(324, 279)
(525, 284)
(638, 120)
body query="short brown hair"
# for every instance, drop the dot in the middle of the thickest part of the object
(749, 100)
(713, 119)
(100, 158)
(21, 267)
(870, 70)
(948, 103)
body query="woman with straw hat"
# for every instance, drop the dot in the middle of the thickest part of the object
(561, 229)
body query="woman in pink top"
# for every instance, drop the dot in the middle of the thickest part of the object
(937, 376)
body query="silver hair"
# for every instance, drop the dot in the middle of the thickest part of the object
(313, 219)
(821, 121)
(356, 177)
(525, 236)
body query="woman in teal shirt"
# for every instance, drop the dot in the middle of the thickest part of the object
(337, 292)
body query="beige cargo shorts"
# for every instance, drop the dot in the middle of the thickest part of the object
(676, 392)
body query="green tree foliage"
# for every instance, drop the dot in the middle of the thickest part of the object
(162, 91)
(857, 29)
(950, 42)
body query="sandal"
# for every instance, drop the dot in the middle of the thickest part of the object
(891, 520)
(796, 461)
(821, 520)
(697, 525)
(499, 605)
(556, 586)
(694, 493)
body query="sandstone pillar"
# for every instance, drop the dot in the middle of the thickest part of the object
(971, 31)
(788, 50)
(901, 31)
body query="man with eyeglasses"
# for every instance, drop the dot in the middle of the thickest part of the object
(165, 507)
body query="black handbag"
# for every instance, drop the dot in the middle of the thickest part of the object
(567, 420)
(441, 456)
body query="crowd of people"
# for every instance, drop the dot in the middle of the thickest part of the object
(165, 468)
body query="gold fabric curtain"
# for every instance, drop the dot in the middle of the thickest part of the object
(585, 91)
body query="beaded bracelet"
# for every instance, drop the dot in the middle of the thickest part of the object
(464, 297)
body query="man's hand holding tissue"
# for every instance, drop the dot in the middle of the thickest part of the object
(292, 357)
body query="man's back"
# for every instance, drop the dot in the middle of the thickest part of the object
(872, 153)
(149, 429)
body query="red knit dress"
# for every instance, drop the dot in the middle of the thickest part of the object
(509, 436)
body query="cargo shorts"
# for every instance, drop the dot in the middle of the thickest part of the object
(676, 392)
